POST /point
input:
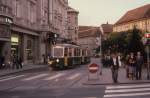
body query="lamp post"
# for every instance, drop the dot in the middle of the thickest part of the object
(146, 42)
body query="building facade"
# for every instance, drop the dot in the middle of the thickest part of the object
(25, 27)
(6, 19)
(73, 25)
(89, 38)
(106, 29)
(139, 18)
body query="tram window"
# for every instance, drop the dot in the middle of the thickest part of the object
(58, 52)
(66, 52)
(75, 52)
(83, 53)
(70, 52)
(78, 52)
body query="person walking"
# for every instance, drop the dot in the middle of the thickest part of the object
(139, 63)
(119, 59)
(15, 62)
(20, 62)
(132, 61)
(114, 67)
(127, 65)
(0, 62)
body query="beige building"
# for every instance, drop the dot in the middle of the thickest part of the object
(25, 27)
(106, 29)
(139, 17)
(89, 38)
(73, 24)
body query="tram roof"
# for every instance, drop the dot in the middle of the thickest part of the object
(67, 45)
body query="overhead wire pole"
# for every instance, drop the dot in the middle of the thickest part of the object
(100, 46)
(148, 59)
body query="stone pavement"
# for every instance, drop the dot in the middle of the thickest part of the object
(106, 78)
(7, 71)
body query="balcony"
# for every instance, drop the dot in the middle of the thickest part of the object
(5, 11)
(5, 21)
(5, 15)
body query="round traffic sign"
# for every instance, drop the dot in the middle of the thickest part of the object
(93, 68)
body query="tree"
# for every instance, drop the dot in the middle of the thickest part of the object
(135, 44)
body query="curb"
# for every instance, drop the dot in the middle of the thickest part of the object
(17, 71)
(148, 81)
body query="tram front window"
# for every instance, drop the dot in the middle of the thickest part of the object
(58, 52)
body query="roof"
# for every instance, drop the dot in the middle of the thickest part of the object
(88, 31)
(107, 28)
(135, 14)
(70, 9)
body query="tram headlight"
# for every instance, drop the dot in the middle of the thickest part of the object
(57, 60)
(3, 64)
(50, 62)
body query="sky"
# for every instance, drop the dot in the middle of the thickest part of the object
(97, 12)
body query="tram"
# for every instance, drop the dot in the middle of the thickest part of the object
(68, 56)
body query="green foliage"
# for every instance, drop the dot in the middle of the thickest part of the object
(123, 42)
(135, 43)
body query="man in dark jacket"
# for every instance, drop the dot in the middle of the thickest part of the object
(139, 63)
(114, 67)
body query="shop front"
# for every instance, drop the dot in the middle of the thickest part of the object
(25, 46)
(4, 40)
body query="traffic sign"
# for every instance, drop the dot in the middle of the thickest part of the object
(147, 35)
(93, 68)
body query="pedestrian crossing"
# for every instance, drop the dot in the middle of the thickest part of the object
(10, 78)
(42, 76)
(55, 76)
(130, 90)
(35, 77)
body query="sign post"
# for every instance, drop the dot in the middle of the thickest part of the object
(99, 43)
(93, 69)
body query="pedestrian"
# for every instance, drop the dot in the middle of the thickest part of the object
(114, 67)
(127, 65)
(139, 63)
(15, 62)
(3, 61)
(119, 59)
(0, 62)
(132, 61)
(20, 62)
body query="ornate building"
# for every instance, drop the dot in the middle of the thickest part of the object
(88, 38)
(139, 17)
(73, 24)
(6, 19)
(27, 25)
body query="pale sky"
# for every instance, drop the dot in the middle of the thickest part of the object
(97, 12)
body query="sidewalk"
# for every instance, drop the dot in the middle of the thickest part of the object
(106, 78)
(7, 71)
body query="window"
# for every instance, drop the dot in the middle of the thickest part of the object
(70, 51)
(58, 52)
(66, 52)
(18, 9)
(31, 12)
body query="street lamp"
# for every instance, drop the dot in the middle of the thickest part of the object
(145, 41)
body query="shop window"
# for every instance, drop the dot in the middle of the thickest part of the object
(14, 45)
